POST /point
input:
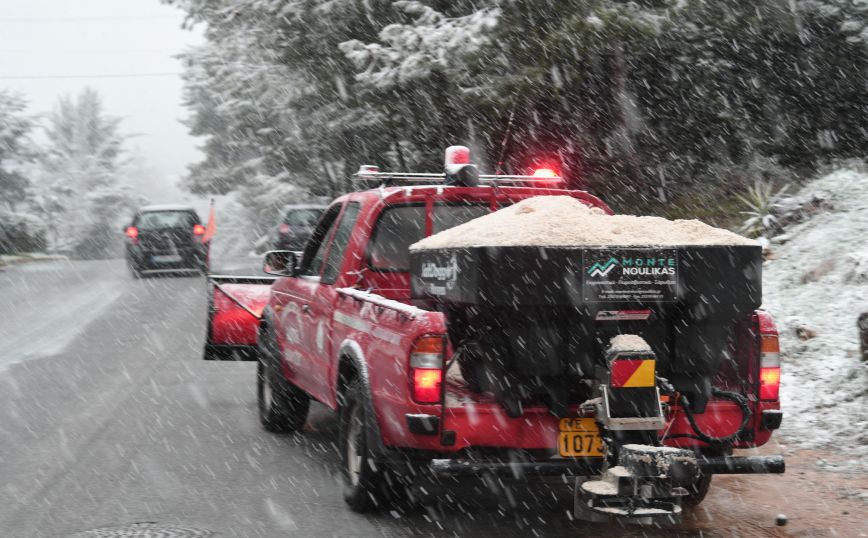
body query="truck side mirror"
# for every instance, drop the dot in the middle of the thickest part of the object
(280, 263)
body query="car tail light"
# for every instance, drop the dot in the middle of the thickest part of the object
(770, 367)
(770, 360)
(283, 229)
(426, 369)
(198, 229)
(133, 233)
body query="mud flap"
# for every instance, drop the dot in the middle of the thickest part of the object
(235, 305)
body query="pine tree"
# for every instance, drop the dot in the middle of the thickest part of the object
(80, 194)
(15, 148)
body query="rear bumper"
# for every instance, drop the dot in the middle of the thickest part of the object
(470, 421)
(592, 466)
(230, 352)
(576, 467)
(191, 258)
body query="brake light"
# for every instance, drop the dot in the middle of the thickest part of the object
(770, 360)
(198, 229)
(133, 233)
(426, 369)
(283, 229)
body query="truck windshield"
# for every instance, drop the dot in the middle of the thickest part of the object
(401, 226)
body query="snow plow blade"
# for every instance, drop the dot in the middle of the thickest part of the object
(235, 306)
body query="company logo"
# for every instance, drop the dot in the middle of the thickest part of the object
(603, 269)
(447, 274)
(635, 267)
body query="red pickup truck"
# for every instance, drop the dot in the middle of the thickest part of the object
(339, 325)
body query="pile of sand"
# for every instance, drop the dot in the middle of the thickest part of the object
(565, 221)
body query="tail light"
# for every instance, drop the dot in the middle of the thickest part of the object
(770, 360)
(198, 229)
(133, 233)
(283, 229)
(426, 369)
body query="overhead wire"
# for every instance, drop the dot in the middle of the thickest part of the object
(102, 75)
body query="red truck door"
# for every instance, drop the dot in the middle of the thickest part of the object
(309, 300)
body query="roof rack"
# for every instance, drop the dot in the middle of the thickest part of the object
(370, 179)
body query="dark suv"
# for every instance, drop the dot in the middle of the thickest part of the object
(166, 239)
(297, 222)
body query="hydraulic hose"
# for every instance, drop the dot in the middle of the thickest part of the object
(746, 415)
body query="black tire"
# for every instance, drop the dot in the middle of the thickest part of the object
(697, 492)
(364, 480)
(282, 406)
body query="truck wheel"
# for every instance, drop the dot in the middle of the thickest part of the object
(363, 479)
(697, 492)
(282, 406)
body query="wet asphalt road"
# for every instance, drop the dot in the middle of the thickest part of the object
(109, 417)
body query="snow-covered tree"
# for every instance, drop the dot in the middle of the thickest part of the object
(19, 230)
(79, 193)
(645, 102)
(15, 148)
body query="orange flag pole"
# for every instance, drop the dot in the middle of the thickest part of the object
(211, 227)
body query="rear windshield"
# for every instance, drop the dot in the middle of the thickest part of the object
(153, 220)
(306, 218)
(401, 226)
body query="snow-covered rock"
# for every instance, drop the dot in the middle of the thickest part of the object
(824, 385)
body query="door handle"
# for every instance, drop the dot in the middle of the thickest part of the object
(305, 308)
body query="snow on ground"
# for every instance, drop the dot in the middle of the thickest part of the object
(818, 280)
(40, 321)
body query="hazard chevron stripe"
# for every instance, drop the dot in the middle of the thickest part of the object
(629, 373)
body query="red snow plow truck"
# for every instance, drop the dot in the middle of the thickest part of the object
(525, 361)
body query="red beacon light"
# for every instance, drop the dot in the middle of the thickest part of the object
(368, 169)
(458, 169)
(545, 173)
(457, 155)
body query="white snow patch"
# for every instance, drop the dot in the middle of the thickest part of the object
(41, 322)
(600, 487)
(378, 300)
(653, 449)
(824, 384)
(628, 342)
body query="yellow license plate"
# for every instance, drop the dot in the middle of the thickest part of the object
(579, 438)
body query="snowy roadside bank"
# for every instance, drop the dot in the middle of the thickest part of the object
(47, 305)
(816, 285)
(17, 259)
